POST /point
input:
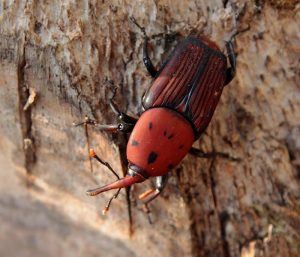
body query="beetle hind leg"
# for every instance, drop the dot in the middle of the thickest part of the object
(146, 59)
(230, 72)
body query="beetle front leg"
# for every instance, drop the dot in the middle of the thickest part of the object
(146, 59)
(160, 183)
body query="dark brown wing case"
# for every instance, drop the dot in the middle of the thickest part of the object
(190, 81)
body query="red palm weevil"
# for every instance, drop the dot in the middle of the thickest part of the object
(177, 108)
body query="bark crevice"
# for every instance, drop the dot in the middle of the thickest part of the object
(25, 115)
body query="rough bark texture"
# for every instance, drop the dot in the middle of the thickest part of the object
(63, 51)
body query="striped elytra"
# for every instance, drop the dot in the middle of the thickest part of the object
(190, 82)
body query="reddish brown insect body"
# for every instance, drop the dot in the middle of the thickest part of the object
(177, 109)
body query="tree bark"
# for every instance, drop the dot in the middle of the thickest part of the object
(55, 59)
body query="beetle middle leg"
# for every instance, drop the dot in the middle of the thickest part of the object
(160, 183)
(123, 117)
(199, 153)
(125, 125)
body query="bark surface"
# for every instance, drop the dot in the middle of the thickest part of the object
(54, 59)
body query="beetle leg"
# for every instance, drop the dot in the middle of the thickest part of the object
(199, 153)
(123, 127)
(146, 59)
(230, 72)
(112, 128)
(160, 183)
(123, 117)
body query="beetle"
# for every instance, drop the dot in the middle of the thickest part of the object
(177, 108)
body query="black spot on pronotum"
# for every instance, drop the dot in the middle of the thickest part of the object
(134, 143)
(150, 126)
(181, 146)
(171, 136)
(170, 166)
(152, 157)
(168, 136)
